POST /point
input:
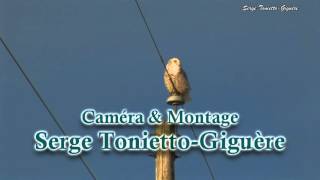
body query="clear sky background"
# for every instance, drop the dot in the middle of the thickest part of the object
(80, 54)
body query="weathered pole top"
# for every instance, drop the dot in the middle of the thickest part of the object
(175, 100)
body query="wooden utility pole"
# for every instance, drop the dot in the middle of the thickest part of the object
(165, 159)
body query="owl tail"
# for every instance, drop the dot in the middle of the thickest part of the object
(187, 97)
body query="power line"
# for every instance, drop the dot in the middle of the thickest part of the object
(204, 156)
(164, 65)
(55, 120)
(155, 43)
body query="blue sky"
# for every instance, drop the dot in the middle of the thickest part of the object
(97, 54)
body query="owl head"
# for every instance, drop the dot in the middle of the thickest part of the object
(174, 66)
(174, 62)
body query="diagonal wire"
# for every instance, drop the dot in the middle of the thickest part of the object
(55, 120)
(154, 43)
(164, 65)
(204, 156)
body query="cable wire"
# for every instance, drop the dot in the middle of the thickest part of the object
(204, 156)
(155, 43)
(53, 117)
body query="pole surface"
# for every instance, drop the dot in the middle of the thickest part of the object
(165, 159)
